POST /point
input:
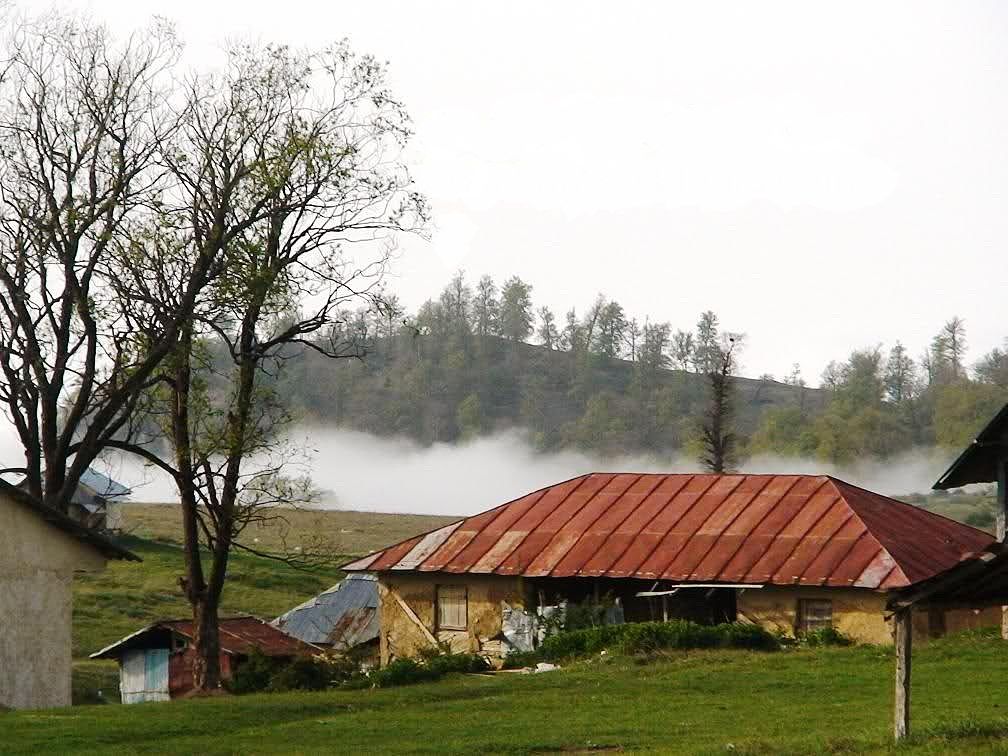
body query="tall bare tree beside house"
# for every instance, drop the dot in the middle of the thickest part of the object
(83, 125)
(316, 139)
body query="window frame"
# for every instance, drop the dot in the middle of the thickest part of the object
(802, 617)
(438, 603)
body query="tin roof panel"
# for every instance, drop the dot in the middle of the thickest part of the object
(787, 529)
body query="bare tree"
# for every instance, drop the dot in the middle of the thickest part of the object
(297, 161)
(83, 124)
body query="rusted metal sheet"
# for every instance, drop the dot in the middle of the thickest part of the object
(238, 635)
(774, 529)
(427, 546)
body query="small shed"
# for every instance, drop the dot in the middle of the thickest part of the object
(342, 618)
(155, 663)
(41, 549)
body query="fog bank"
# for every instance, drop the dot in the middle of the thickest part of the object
(362, 472)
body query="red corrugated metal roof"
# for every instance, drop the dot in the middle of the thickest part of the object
(772, 529)
(238, 635)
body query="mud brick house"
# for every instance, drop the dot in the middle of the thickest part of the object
(791, 553)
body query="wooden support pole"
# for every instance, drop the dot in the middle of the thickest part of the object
(903, 631)
(1002, 520)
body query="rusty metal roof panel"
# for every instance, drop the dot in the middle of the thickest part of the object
(238, 635)
(479, 551)
(781, 529)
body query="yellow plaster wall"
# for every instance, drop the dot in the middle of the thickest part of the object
(400, 636)
(858, 614)
(37, 563)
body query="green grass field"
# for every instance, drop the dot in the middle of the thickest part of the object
(129, 595)
(827, 700)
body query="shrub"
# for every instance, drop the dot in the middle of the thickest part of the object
(254, 674)
(825, 636)
(446, 664)
(648, 637)
(402, 672)
(303, 673)
(519, 659)
(431, 666)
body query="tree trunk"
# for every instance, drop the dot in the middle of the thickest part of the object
(204, 603)
(206, 646)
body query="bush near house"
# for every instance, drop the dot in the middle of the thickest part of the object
(646, 638)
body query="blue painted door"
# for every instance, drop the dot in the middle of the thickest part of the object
(156, 674)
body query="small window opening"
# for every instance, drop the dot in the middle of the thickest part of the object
(814, 614)
(452, 609)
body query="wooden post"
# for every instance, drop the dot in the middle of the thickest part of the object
(903, 631)
(1002, 520)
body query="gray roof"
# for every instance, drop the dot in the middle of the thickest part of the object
(978, 462)
(103, 485)
(344, 616)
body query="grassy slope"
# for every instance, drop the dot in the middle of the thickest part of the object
(128, 596)
(806, 701)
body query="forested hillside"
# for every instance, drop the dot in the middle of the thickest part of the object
(481, 358)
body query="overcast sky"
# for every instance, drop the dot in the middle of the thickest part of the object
(824, 176)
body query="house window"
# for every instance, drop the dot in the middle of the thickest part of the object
(814, 614)
(452, 610)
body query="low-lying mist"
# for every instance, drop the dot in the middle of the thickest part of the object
(364, 472)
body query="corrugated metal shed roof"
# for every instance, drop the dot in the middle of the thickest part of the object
(238, 635)
(770, 529)
(978, 461)
(344, 616)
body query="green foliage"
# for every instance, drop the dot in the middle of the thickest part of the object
(469, 417)
(260, 673)
(303, 673)
(962, 409)
(428, 667)
(824, 636)
(254, 674)
(649, 637)
(402, 672)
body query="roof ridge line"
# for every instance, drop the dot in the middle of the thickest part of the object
(461, 519)
(885, 549)
(911, 507)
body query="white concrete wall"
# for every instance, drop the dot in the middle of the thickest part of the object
(37, 563)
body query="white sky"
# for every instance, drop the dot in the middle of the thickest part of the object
(824, 176)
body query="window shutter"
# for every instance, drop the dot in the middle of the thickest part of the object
(814, 614)
(452, 609)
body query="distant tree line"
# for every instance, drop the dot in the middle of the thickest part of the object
(882, 402)
(482, 357)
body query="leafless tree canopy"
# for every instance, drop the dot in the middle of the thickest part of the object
(82, 123)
